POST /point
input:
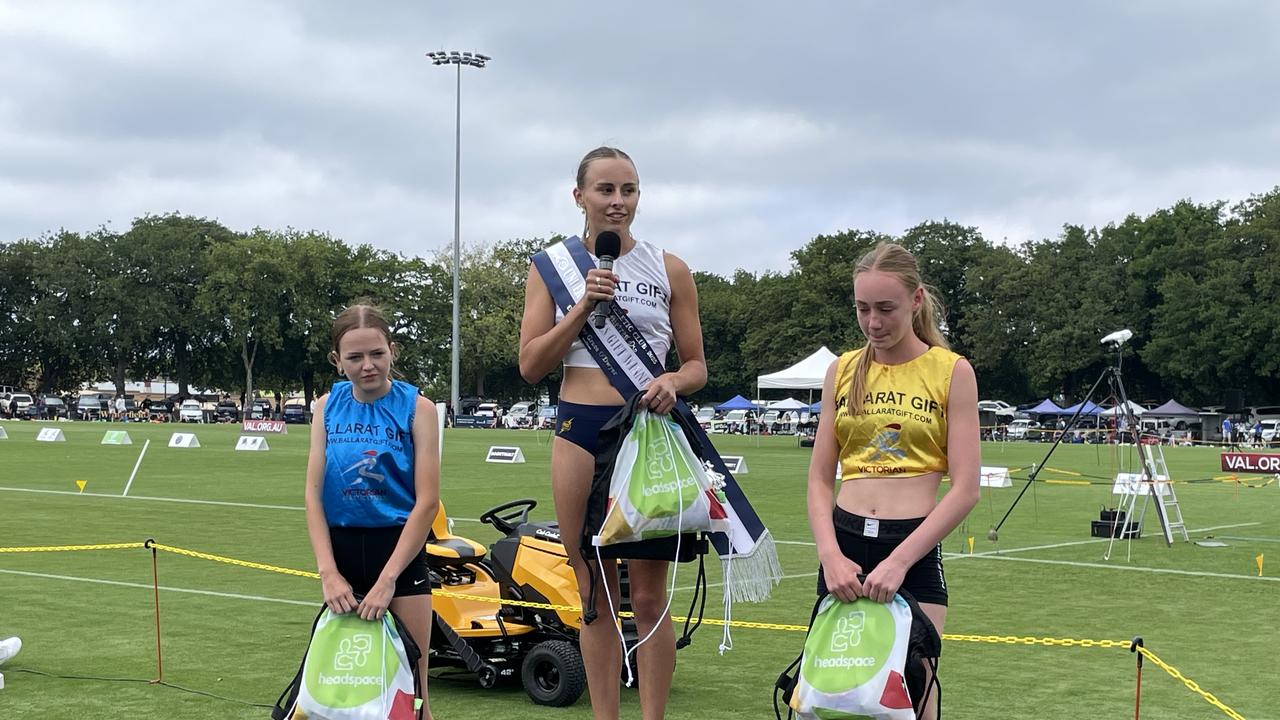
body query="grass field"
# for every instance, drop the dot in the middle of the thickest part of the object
(239, 633)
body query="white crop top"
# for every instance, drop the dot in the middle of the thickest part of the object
(644, 292)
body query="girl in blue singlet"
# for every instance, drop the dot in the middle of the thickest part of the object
(373, 483)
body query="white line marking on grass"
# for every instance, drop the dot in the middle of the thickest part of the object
(1253, 539)
(795, 542)
(1105, 566)
(224, 503)
(784, 577)
(1073, 543)
(136, 465)
(157, 499)
(96, 581)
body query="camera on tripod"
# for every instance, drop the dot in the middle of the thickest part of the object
(1118, 338)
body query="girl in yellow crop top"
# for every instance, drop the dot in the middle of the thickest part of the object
(897, 415)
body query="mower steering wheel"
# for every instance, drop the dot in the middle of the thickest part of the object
(507, 516)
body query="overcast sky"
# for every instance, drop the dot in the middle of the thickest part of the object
(754, 125)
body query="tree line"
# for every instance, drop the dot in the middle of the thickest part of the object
(190, 299)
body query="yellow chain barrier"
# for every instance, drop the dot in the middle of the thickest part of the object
(234, 561)
(954, 637)
(1191, 684)
(68, 548)
(1022, 640)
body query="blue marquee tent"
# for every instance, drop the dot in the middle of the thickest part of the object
(1046, 407)
(736, 403)
(1089, 409)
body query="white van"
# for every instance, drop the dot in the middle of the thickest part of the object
(520, 415)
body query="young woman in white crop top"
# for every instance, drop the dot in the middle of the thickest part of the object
(657, 291)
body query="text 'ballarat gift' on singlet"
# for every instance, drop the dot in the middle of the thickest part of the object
(901, 429)
(644, 292)
(368, 469)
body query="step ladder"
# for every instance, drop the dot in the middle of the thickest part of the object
(1167, 507)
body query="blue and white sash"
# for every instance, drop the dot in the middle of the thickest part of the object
(747, 550)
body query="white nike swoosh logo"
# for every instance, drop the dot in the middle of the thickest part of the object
(418, 582)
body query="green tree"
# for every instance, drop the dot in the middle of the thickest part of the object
(492, 292)
(69, 335)
(239, 298)
(996, 330)
(169, 255)
(18, 296)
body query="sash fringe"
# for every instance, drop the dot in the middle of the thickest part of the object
(750, 577)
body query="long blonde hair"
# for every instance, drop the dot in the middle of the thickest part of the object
(896, 260)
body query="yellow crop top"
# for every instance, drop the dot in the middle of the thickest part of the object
(902, 427)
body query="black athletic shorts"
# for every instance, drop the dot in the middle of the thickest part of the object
(361, 553)
(924, 580)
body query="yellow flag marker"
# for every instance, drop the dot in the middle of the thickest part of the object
(1259, 559)
(970, 544)
(80, 484)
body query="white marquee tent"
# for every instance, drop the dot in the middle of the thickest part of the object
(807, 374)
(1117, 410)
(788, 404)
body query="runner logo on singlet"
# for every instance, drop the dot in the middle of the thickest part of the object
(886, 443)
(364, 468)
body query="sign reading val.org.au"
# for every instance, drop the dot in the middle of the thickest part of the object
(264, 426)
(1251, 462)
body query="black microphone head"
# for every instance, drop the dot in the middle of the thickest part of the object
(608, 244)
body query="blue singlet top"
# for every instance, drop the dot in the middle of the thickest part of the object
(368, 469)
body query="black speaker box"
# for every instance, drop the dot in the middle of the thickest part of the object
(1104, 528)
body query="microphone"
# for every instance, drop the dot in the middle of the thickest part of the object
(608, 247)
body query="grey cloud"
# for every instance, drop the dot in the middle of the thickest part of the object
(751, 123)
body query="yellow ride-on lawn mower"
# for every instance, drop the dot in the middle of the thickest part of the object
(497, 641)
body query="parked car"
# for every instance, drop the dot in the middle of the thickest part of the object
(160, 411)
(521, 415)
(1269, 428)
(295, 414)
(24, 401)
(734, 421)
(190, 411)
(226, 412)
(89, 407)
(704, 416)
(1018, 429)
(260, 409)
(54, 408)
(547, 417)
(1002, 409)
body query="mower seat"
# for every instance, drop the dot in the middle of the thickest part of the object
(445, 548)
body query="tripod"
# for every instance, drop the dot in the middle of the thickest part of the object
(1151, 480)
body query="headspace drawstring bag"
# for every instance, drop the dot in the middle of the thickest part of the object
(863, 659)
(354, 669)
(651, 498)
(658, 487)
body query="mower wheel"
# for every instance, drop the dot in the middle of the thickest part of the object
(553, 673)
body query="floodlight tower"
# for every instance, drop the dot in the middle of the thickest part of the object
(475, 60)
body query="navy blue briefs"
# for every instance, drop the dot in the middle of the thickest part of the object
(581, 424)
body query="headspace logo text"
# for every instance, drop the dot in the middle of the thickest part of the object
(349, 679)
(667, 487)
(844, 662)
